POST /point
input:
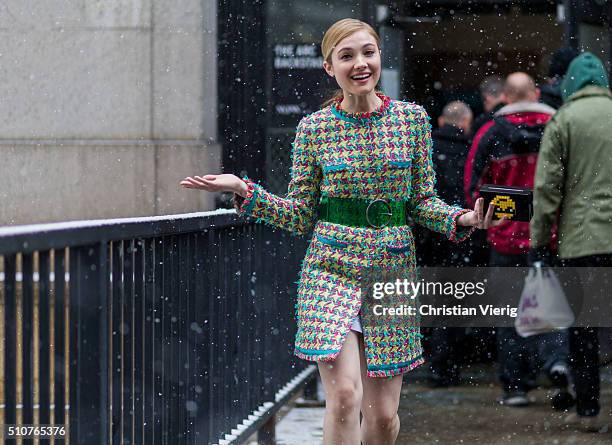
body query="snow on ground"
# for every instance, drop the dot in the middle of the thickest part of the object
(301, 426)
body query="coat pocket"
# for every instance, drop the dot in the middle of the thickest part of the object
(399, 249)
(400, 163)
(328, 255)
(328, 168)
(331, 241)
(398, 176)
(402, 244)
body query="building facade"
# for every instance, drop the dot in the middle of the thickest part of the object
(105, 106)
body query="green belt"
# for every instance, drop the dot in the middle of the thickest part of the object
(357, 212)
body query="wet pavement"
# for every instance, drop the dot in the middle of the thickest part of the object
(467, 414)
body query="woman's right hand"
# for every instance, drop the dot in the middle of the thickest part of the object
(216, 183)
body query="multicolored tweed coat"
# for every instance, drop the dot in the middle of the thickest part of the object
(383, 154)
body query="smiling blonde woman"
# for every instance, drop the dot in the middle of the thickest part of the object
(361, 168)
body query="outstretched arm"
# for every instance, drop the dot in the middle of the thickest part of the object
(297, 211)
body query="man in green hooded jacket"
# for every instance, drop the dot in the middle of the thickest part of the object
(573, 187)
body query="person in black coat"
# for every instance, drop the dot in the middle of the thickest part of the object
(451, 145)
(450, 148)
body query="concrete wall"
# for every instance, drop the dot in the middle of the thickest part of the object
(105, 106)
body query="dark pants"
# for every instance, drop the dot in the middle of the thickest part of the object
(445, 355)
(584, 362)
(584, 350)
(522, 358)
(445, 342)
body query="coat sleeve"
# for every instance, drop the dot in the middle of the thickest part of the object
(425, 206)
(296, 212)
(548, 183)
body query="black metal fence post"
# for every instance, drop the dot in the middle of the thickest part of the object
(27, 337)
(10, 341)
(139, 341)
(44, 337)
(59, 337)
(116, 351)
(89, 344)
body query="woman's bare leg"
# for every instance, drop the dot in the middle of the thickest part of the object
(380, 424)
(342, 384)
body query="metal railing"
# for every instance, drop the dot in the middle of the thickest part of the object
(156, 330)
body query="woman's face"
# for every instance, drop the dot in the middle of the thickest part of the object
(355, 64)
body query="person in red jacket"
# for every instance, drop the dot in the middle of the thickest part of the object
(505, 152)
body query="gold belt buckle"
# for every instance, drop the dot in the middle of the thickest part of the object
(388, 213)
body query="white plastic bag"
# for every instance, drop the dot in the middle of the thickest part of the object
(543, 306)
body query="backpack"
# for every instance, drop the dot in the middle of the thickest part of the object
(521, 139)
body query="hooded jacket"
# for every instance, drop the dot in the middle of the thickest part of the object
(584, 70)
(573, 179)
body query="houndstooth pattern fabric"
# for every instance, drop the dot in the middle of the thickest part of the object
(384, 154)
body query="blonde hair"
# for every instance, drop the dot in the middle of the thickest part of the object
(335, 34)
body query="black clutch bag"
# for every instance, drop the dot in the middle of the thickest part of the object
(513, 203)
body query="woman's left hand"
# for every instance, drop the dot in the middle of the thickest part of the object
(477, 218)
